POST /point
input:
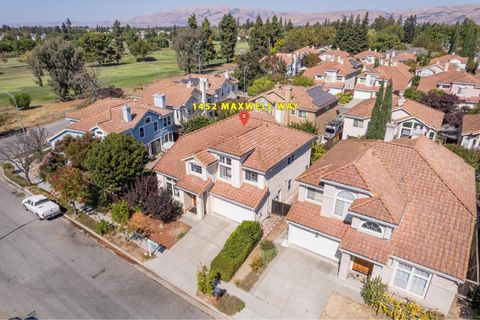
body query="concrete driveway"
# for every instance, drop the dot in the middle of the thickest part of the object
(299, 283)
(200, 245)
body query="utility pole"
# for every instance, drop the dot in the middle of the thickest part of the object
(16, 106)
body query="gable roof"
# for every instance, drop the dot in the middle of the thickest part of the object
(428, 83)
(430, 116)
(447, 58)
(399, 74)
(438, 210)
(343, 69)
(470, 124)
(367, 53)
(337, 53)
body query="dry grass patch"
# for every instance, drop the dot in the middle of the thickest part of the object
(340, 307)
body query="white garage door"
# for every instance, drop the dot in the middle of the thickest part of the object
(231, 210)
(313, 242)
(357, 94)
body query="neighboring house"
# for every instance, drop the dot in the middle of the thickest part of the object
(409, 119)
(403, 210)
(470, 137)
(368, 82)
(465, 85)
(182, 94)
(339, 56)
(152, 126)
(334, 76)
(368, 57)
(442, 64)
(314, 105)
(235, 170)
(292, 61)
(394, 57)
(306, 50)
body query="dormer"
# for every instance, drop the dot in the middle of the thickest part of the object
(201, 164)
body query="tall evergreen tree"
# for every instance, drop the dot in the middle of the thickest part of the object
(288, 26)
(192, 21)
(117, 40)
(362, 37)
(469, 47)
(410, 29)
(228, 36)
(454, 39)
(386, 110)
(274, 31)
(258, 39)
(373, 131)
(209, 46)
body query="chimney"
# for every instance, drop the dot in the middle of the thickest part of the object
(204, 88)
(127, 113)
(288, 93)
(389, 132)
(402, 100)
(189, 83)
(393, 54)
(160, 100)
(227, 74)
(446, 66)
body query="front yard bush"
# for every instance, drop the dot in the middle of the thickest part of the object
(206, 280)
(236, 249)
(103, 227)
(230, 304)
(269, 250)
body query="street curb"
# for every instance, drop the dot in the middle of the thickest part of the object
(137, 264)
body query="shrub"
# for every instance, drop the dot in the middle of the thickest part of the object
(344, 98)
(206, 280)
(120, 212)
(302, 81)
(306, 126)
(269, 251)
(373, 290)
(256, 264)
(236, 249)
(260, 85)
(230, 304)
(103, 227)
(474, 298)
(23, 100)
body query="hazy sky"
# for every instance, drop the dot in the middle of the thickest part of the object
(28, 11)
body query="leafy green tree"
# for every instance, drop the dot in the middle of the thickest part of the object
(192, 21)
(228, 36)
(383, 41)
(273, 64)
(317, 152)
(196, 123)
(120, 212)
(22, 99)
(310, 60)
(189, 48)
(305, 126)
(76, 149)
(209, 46)
(97, 47)
(273, 31)
(374, 130)
(302, 81)
(248, 68)
(258, 40)
(410, 29)
(117, 41)
(469, 47)
(139, 48)
(116, 161)
(69, 184)
(454, 39)
(260, 85)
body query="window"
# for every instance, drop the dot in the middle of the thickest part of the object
(225, 168)
(176, 192)
(195, 168)
(460, 90)
(155, 126)
(142, 132)
(251, 176)
(169, 187)
(291, 159)
(167, 121)
(357, 123)
(302, 114)
(411, 279)
(168, 137)
(342, 203)
(431, 135)
(314, 195)
(148, 119)
(292, 112)
(289, 184)
(372, 227)
(339, 78)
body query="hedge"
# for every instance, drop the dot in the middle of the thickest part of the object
(236, 249)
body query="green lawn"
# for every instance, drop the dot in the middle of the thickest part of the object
(15, 76)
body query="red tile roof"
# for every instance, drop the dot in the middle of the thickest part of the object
(193, 184)
(365, 245)
(340, 68)
(428, 83)
(247, 194)
(399, 74)
(367, 53)
(471, 124)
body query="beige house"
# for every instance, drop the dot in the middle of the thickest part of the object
(443, 64)
(334, 76)
(334, 55)
(403, 210)
(470, 136)
(368, 57)
(368, 82)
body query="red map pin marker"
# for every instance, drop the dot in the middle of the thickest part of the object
(244, 116)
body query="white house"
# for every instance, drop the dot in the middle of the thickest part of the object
(442, 64)
(334, 76)
(369, 57)
(470, 137)
(235, 170)
(409, 119)
(334, 55)
(393, 209)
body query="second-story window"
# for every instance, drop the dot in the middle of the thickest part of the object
(167, 121)
(358, 123)
(225, 168)
(142, 132)
(290, 159)
(155, 126)
(342, 203)
(314, 195)
(372, 227)
(251, 176)
(148, 119)
(195, 168)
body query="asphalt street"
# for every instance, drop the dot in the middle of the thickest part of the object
(53, 270)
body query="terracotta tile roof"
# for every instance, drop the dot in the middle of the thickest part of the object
(365, 245)
(96, 107)
(286, 57)
(373, 207)
(205, 157)
(447, 58)
(341, 69)
(193, 184)
(247, 194)
(337, 53)
(399, 74)
(451, 76)
(404, 56)
(471, 124)
(424, 113)
(305, 50)
(367, 53)
(308, 215)
(438, 190)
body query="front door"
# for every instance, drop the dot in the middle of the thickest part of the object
(194, 199)
(156, 146)
(362, 266)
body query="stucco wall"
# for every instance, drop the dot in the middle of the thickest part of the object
(350, 131)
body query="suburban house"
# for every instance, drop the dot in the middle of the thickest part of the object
(306, 50)
(409, 119)
(151, 125)
(292, 61)
(465, 85)
(314, 105)
(470, 137)
(339, 56)
(334, 76)
(403, 210)
(394, 57)
(181, 95)
(368, 57)
(442, 64)
(369, 81)
(235, 170)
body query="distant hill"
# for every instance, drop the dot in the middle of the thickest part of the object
(179, 16)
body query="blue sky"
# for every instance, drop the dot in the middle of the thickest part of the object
(28, 11)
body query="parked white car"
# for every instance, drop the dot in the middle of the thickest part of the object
(41, 206)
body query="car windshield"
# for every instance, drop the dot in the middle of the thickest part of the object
(40, 202)
(329, 130)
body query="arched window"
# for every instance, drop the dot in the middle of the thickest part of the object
(371, 227)
(342, 203)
